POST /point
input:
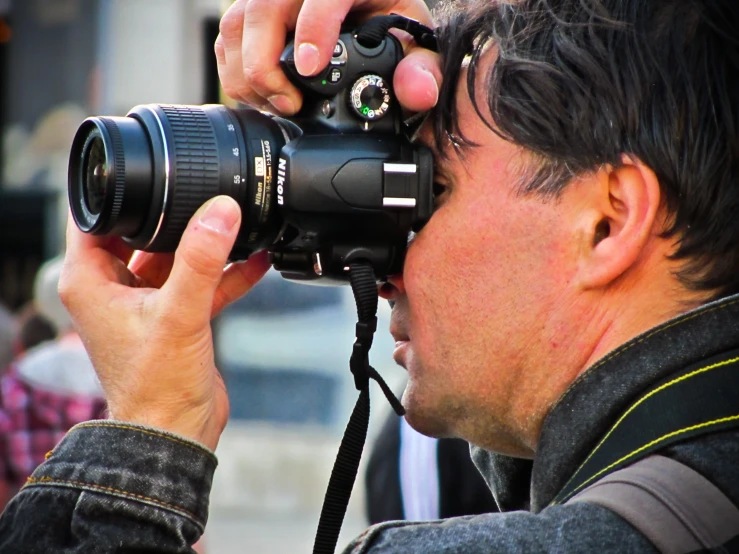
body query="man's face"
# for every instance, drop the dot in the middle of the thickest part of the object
(483, 301)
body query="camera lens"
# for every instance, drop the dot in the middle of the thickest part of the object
(95, 169)
(142, 177)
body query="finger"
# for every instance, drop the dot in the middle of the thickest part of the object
(415, 9)
(228, 54)
(265, 28)
(418, 79)
(200, 259)
(85, 243)
(152, 269)
(239, 279)
(91, 265)
(316, 33)
(103, 258)
(319, 25)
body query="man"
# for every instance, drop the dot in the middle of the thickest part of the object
(583, 251)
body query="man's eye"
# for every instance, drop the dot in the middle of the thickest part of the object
(440, 191)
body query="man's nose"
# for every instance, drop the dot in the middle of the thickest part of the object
(393, 288)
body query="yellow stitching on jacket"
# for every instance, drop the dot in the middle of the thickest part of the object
(52, 481)
(147, 432)
(649, 445)
(641, 400)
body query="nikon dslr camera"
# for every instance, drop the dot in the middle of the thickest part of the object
(338, 183)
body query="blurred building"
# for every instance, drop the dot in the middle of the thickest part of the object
(61, 60)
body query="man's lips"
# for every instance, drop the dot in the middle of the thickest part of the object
(402, 342)
(399, 331)
(399, 354)
(400, 335)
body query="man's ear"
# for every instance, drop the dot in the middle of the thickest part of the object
(622, 217)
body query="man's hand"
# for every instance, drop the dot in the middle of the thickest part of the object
(253, 35)
(145, 320)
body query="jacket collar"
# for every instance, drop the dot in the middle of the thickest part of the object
(584, 413)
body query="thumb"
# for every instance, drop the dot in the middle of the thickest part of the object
(201, 257)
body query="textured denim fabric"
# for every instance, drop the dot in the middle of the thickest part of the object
(112, 487)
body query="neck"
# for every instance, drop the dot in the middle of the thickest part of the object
(629, 311)
(606, 320)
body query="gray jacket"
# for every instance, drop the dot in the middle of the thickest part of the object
(114, 487)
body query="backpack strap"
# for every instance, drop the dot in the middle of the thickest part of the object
(675, 507)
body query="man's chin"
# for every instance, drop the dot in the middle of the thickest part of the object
(424, 418)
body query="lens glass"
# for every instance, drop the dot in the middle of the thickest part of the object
(95, 173)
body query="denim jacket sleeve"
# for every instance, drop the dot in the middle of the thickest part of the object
(112, 487)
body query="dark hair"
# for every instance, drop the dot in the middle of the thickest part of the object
(34, 328)
(579, 83)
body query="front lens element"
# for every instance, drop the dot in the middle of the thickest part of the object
(96, 172)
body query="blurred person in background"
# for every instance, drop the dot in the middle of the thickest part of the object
(413, 477)
(49, 387)
(8, 333)
(34, 329)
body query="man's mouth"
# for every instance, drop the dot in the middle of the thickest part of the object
(400, 352)
(400, 335)
(402, 343)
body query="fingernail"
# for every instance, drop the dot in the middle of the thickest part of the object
(283, 103)
(306, 60)
(220, 215)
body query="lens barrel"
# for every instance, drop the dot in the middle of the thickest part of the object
(142, 177)
(110, 176)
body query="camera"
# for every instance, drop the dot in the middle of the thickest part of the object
(338, 183)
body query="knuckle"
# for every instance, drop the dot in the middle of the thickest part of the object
(266, 81)
(220, 50)
(258, 76)
(232, 22)
(255, 10)
(66, 287)
(229, 89)
(203, 261)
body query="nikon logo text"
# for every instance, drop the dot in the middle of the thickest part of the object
(281, 172)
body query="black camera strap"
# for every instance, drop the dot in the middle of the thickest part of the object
(344, 473)
(373, 32)
(364, 287)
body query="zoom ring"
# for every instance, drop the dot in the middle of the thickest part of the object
(194, 170)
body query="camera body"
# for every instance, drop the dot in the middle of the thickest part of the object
(338, 183)
(328, 169)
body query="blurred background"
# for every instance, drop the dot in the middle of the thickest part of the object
(284, 349)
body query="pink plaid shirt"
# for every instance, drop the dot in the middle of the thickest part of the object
(33, 421)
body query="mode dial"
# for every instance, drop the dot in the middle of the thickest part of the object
(370, 97)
